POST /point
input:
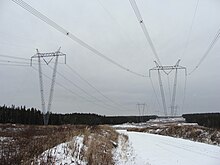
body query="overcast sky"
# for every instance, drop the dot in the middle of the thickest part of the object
(111, 27)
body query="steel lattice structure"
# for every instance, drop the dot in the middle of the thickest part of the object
(167, 70)
(51, 55)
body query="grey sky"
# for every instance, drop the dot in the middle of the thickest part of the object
(111, 27)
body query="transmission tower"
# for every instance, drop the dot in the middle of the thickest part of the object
(141, 108)
(44, 56)
(167, 70)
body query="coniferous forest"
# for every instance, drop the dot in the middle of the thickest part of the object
(23, 115)
(211, 120)
(32, 116)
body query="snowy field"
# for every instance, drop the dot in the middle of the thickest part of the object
(141, 149)
(150, 149)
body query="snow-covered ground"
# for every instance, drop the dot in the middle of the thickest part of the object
(153, 122)
(140, 148)
(69, 153)
(175, 127)
(150, 149)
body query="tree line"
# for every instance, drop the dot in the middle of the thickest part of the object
(23, 115)
(211, 120)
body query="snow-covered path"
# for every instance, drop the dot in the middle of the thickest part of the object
(150, 149)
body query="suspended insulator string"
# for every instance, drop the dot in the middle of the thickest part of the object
(207, 51)
(144, 29)
(190, 30)
(53, 24)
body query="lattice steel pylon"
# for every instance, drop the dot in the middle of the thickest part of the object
(167, 70)
(39, 56)
(141, 108)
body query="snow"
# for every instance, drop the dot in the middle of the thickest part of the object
(64, 153)
(3, 138)
(150, 149)
(154, 122)
(167, 120)
(128, 125)
(139, 148)
(123, 154)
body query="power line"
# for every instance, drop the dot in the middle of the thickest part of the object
(108, 12)
(92, 86)
(144, 29)
(168, 81)
(190, 29)
(4, 64)
(21, 84)
(64, 87)
(207, 51)
(152, 85)
(67, 89)
(119, 24)
(70, 91)
(20, 58)
(75, 72)
(14, 62)
(184, 93)
(83, 98)
(81, 89)
(53, 24)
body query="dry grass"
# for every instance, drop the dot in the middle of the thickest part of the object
(23, 144)
(100, 141)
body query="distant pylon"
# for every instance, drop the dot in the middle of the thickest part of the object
(51, 55)
(141, 108)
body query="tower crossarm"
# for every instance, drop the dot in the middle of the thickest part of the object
(46, 55)
(167, 68)
(52, 54)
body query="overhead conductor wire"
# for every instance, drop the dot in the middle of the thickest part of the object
(184, 93)
(152, 85)
(18, 63)
(53, 24)
(207, 51)
(190, 30)
(14, 63)
(84, 91)
(92, 86)
(74, 93)
(184, 51)
(144, 29)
